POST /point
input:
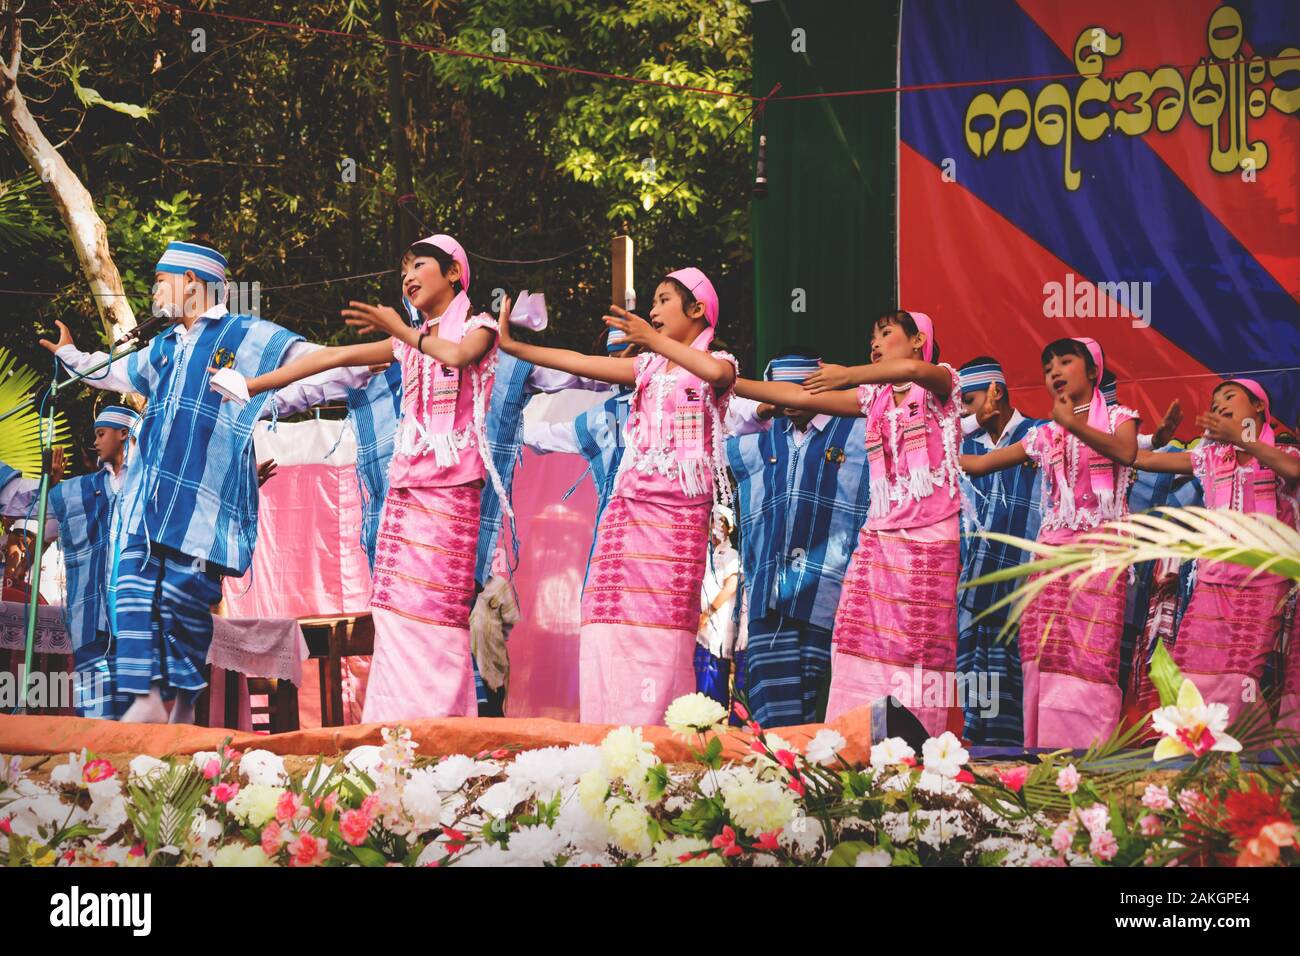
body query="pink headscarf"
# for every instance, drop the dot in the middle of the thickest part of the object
(454, 249)
(700, 286)
(1098, 415)
(1265, 434)
(924, 324)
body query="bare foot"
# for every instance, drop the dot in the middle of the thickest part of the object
(147, 709)
(182, 709)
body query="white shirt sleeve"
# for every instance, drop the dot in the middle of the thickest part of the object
(114, 378)
(742, 417)
(548, 380)
(1146, 442)
(17, 496)
(328, 386)
(547, 437)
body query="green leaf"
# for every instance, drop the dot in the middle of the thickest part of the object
(1165, 675)
(846, 854)
(90, 98)
(368, 857)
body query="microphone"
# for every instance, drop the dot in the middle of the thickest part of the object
(155, 323)
(760, 174)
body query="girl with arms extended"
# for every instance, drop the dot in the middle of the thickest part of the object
(1070, 637)
(1232, 622)
(895, 628)
(424, 564)
(641, 603)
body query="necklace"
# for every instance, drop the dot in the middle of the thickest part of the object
(900, 389)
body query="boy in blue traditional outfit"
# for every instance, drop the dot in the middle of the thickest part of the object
(189, 507)
(803, 498)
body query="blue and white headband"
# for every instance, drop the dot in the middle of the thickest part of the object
(1110, 392)
(616, 341)
(975, 377)
(116, 416)
(790, 368)
(181, 257)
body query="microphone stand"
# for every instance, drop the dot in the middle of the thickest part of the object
(125, 346)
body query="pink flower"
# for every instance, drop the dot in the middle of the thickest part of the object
(908, 761)
(212, 769)
(353, 826)
(1156, 798)
(1150, 825)
(1063, 836)
(327, 803)
(272, 838)
(754, 728)
(1067, 779)
(758, 747)
(785, 758)
(288, 807)
(370, 806)
(96, 770)
(1049, 861)
(456, 840)
(1190, 800)
(767, 842)
(5, 827)
(500, 754)
(137, 850)
(741, 712)
(1094, 818)
(308, 850)
(231, 754)
(1103, 845)
(225, 792)
(964, 776)
(1014, 779)
(726, 842)
(796, 784)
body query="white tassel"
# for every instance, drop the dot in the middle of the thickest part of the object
(879, 497)
(920, 483)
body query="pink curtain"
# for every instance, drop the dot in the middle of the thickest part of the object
(308, 561)
(555, 541)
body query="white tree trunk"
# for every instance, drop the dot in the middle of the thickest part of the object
(75, 205)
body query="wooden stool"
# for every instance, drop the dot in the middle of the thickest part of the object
(329, 640)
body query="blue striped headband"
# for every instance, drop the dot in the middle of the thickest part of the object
(1110, 392)
(116, 416)
(181, 257)
(790, 368)
(975, 377)
(616, 341)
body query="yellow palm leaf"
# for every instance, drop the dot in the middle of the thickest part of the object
(20, 434)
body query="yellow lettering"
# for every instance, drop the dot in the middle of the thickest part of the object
(985, 106)
(1093, 126)
(1091, 48)
(1288, 61)
(1053, 124)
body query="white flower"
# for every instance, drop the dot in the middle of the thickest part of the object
(758, 806)
(802, 835)
(593, 788)
(70, 772)
(694, 714)
(669, 853)
(500, 799)
(540, 773)
(823, 747)
(255, 804)
(451, 773)
(364, 759)
(890, 752)
(944, 754)
(264, 768)
(624, 755)
(235, 854)
(1191, 726)
(931, 782)
(421, 802)
(534, 846)
(876, 857)
(588, 832)
(628, 827)
(143, 767)
(203, 757)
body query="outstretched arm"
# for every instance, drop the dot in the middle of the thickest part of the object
(790, 395)
(717, 372)
(976, 466)
(929, 376)
(1167, 462)
(338, 356)
(380, 318)
(617, 371)
(112, 378)
(1230, 432)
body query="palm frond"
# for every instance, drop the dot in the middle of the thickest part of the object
(1251, 540)
(26, 213)
(20, 434)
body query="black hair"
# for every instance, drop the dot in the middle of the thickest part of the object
(1253, 397)
(441, 256)
(686, 295)
(979, 360)
(1063, 347)
(1107, 379)
(903, 319)
(797, 351)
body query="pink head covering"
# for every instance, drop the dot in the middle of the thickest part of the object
(702, 289)
(454, 249)
(1265, 433)
(1098, 416)
(924, 324)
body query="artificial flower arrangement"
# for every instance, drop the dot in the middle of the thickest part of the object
(617, 804)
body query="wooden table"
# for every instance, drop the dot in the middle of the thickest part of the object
(329, 640)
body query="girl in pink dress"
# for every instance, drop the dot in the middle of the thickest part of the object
(1233, 620)
(895, 628)
(428, 534)
(641, 603)
(1070, 638)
